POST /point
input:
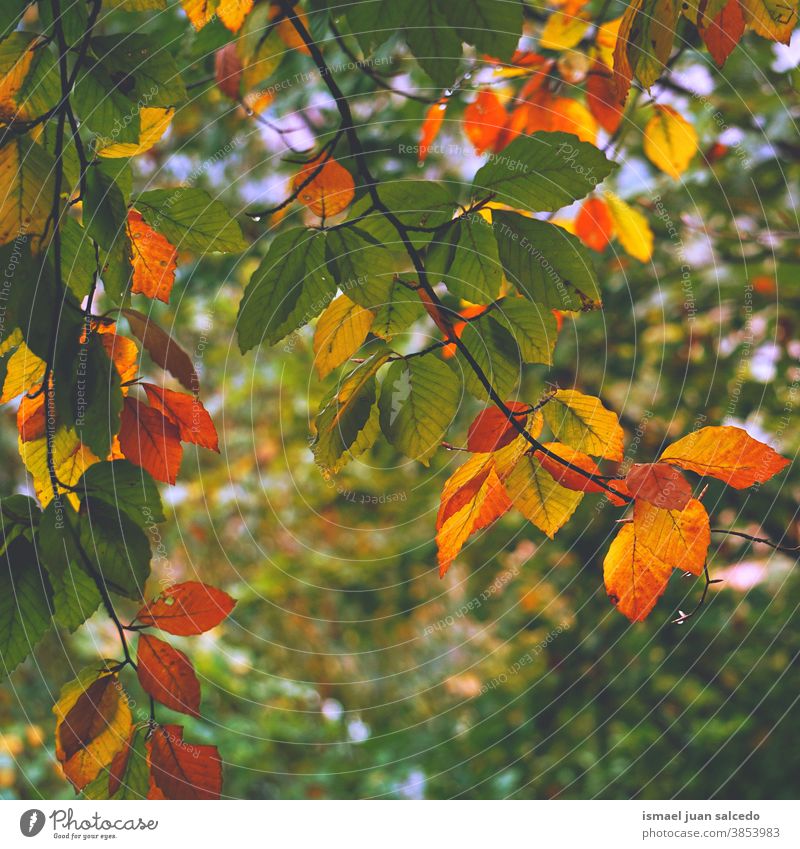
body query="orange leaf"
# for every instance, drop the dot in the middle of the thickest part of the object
(31, 417)
(154, 259)
(484, 120)
(228, 70)
(121, 351)
(430, 128)
(187, 412)
(167, 675)
(330, 192)
(286, 31)
(472, 498)
(724, 32)
(644, 554)
(233, 12)
(601, 97)
(180, 770)
(727, 453)
(491, 429)
(150, 440)
(187, 609)
(594, 224)
(660, 485)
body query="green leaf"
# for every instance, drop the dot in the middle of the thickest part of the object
(75, 593)
(78, 264)
(117, 547)
(25, 606)
(124, 486)
(97, 397)
(105, 215)
(19, 516)
(494, 28)
(546, 263)
(135, 781)
(104, 109)
(373, 23)
(533, 327)
(416, 203)
(20, 275)
(418, 401)
(73, 17)
(543, 172)
(497, 354)
(362, 267)
(290, 287)
(141, 70)
(467, 261)
(191, 219)
(401, 308)
(347, 424)
(434, 43)
(26, 189)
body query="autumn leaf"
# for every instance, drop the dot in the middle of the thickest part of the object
(631, 227)
(154, 122)
(31, 417)
(484, 120)
(563, 30)
(228, 70)
(122, 352)
(187, 413)
(187, 609)
(326, 191)
(167, 675)
(154, 260)
(491, 429)
(772, 19)
(645, 552)
(472, 498)
(430, 128)
(163, 349)
(340, 332)
(670, 141)
(233, 12)
(181, 770)
(582, 422)
(659, 484)
(150, 440)
(601, 97)
(727, 453)
(569, 478)
(722, 34)
(594, 224)
(93, 721)
(24, 372)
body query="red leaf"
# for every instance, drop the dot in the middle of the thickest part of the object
(724, 32)
(594, 224)
(660, 485)
(228, 70)
(183, 770)
(167, 675)
(187, 609)
(492, 430)
(150, 440)
(187, 412)
(601, 98)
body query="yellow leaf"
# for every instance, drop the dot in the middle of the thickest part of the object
(582, 422)
(24, 371)
(93, 721)
(199, 12)
(727, 453)
(34, 456)
(772, 19)
(538, 497)
(670, 141)
(643, 555)
(563, 31)
(632, 229)
(605, 41)
(340, 331)
(154, 123)
(571, 116)
(26, 189)
(233, 12)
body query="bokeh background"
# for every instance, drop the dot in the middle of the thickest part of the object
(348, 669)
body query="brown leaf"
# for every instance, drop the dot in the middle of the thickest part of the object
(163, 349)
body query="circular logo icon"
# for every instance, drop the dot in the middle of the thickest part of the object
(31, 822)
